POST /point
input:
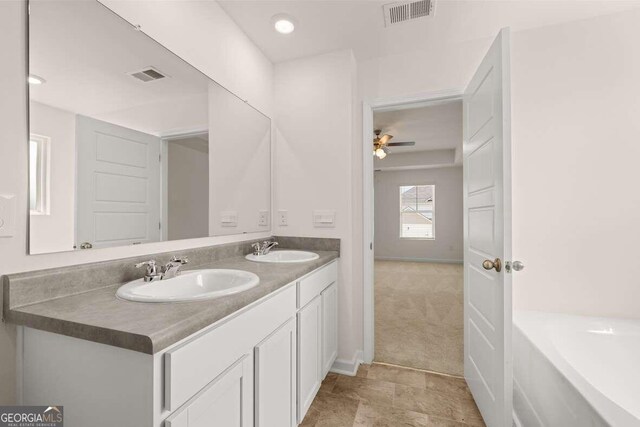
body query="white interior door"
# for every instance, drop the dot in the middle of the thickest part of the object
(118, 200)
(487, 235)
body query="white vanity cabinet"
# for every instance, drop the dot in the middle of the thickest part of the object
(275, 378)
(317, 332)
(309, 354)
(261, 366)
(329, 327)
(227, 401)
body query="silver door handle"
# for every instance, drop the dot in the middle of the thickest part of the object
(515, 266)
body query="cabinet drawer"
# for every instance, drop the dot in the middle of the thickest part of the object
(189, 367)
(310, 286)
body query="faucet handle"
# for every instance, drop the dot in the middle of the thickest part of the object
(150, 264)
(179, 260)
(152, 268)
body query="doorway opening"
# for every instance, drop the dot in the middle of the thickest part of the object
(185, 186)
(418, 236)
(486, 214)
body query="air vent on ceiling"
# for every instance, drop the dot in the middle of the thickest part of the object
(395, 13)
(149, 74)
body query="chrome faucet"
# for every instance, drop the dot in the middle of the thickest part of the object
(264, 247)
(170, 270)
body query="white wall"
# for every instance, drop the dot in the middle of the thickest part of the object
(449, 67)
(447, 245)
(576, 145)
(55, 231)
(197, 31)
(187, 189)
(240, 159)
(315, 121)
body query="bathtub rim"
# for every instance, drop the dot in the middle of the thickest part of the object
(532, 325)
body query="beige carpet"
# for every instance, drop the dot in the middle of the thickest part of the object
(419, 315)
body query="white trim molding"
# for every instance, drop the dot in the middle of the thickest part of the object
(348, 367)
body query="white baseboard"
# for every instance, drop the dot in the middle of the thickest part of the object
(348, 367)
(443, 261)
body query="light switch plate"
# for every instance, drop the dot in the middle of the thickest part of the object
(263, 218)
(229, 219)
(283, 218)
(324, 218)
(8, 207)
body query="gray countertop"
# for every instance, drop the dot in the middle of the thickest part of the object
(98, 315)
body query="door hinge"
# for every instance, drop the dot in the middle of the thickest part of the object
(159, 226)
(160, 157)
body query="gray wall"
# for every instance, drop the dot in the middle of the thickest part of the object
(188, 189)
(447, 245)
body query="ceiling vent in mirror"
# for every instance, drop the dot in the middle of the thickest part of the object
(396, 13)
(149, 74)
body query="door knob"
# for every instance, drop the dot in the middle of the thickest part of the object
(515, 266)
(496, 264)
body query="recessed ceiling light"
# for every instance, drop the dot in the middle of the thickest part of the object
(35, 80)
(283, 23)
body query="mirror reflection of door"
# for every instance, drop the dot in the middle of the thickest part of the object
(118, 185)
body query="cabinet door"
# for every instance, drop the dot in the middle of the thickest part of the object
(329, 327)
(275, 378)
(227, 401)
(309, 354)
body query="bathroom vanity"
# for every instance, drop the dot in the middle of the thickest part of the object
(254, 358)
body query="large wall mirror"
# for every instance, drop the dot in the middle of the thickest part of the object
(129, 144)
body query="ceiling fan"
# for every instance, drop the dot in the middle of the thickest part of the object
(381, 144)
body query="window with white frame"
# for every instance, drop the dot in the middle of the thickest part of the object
(417, 207)
(39, 174)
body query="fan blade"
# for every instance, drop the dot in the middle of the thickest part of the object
(385, 139)
(401, 144)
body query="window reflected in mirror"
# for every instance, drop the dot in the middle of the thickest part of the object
(38, 175)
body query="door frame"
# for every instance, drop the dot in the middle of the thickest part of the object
(368, 221)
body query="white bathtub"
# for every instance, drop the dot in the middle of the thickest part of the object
(575, 371)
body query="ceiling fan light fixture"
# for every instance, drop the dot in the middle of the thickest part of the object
(385, 139)
(380, 153)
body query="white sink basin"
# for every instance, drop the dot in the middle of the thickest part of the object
(194, 285)
(284, 256)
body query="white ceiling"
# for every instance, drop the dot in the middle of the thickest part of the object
(434, 127)
(325, 26)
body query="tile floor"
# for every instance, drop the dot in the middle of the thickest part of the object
(419, 315)
(390, 396)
